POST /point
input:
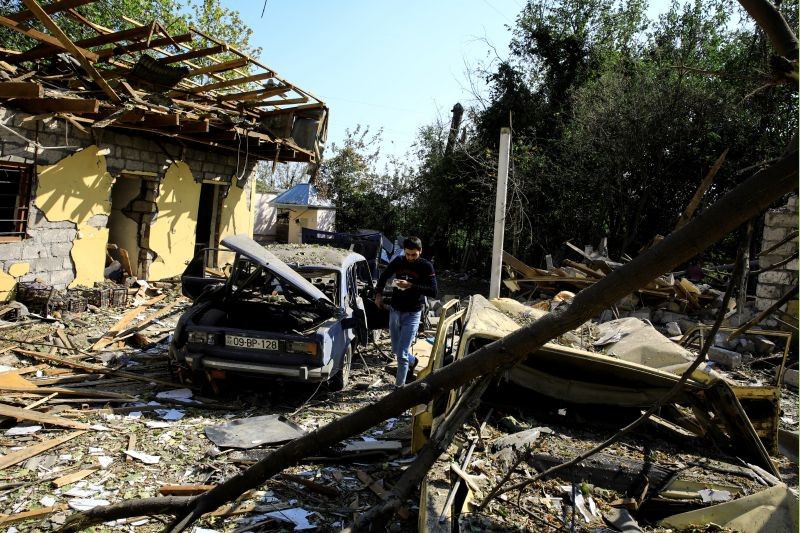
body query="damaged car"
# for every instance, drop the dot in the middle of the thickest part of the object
(293, 312)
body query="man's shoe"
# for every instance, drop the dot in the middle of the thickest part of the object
(410, 374)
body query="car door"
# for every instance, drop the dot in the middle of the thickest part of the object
(357, 302)
(197, 276)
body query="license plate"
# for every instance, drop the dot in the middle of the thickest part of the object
(251, 343)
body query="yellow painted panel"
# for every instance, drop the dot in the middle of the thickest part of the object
(172, 234)
(89, 255)
(237, 215)
(7, 284)
(19, 269)
(76, 189)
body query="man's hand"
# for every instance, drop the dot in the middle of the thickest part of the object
(379, 300)
(402, 284)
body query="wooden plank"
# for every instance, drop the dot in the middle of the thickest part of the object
(45, 51)
(161, 121)
(193, 54)
(76, 51)
(126, 319)
(218, 67)
(53, 7)
(64, 338)
(379, 490)
(125, 260)
(585, 269)
(13, 379)
(521, 267)
(288, 101)
(253, 95)
(36, 416)
(72, 478)
(67, 392)
(148, 319)
(114, 51)
(40, 401)
(23, 89)
(230, 83)
(30, 515)
(92, 368)
(41, 37)
(195, 126)
(68, 105)
(24, 454)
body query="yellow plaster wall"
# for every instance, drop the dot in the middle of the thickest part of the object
(75, 189)
(173, 233)
(7, 284)
(237, 215)
(9, 281)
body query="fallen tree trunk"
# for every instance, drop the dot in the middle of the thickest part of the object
(738, 206)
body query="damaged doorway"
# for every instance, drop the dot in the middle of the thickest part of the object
(132, 207)
(207, 231)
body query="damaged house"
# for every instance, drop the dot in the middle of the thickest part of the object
(134, 143)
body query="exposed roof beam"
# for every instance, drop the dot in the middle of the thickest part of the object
(50, 24)
(230, 83)
(45, 51)
(193, 54)
(42, 37)
(70, 105)
(53, 7)
(217, 67)
(160, 121)
(288, 101)
(120, 50)
(254, 95)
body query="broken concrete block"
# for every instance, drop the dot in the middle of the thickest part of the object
(790, 377)
(520, 440)
(673, 329)
(745, 345)
(727, 358)
(763, 346)
(642, 314)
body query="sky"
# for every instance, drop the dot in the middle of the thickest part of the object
(390, 66)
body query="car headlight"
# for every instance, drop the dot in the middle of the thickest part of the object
(201, 337)
(308, 348)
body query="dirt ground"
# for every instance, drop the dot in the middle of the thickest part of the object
(169, 444)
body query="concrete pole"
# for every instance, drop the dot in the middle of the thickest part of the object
(500, 212)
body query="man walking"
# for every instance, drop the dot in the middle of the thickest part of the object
(414, 278)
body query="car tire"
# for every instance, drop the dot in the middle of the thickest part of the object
(340, 380)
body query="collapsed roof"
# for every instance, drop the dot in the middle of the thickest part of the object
(190, 87)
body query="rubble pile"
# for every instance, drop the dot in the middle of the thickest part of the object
(93, 416)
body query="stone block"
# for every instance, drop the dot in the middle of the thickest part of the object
(773, 292)
(33, 250)
(141, 206)
(727, 358)
(782, 218)
(773, 234)
(66, 262)
(784, 250)
(792, 202)
(765, 303)
(12, 250)
(60, 249)
(61, 278)
(98, 221)
(57, 235)
(777, 277)
(49, 264)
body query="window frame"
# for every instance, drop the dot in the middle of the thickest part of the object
(22, 207)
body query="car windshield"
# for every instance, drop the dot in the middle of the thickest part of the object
(250, 281)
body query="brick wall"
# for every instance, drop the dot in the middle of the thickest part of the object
(48, 246)
(778, 224)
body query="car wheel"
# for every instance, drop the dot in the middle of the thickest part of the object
(342, 378)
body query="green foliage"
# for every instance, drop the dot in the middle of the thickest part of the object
(175, 16)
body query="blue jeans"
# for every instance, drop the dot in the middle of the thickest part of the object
(403, 327)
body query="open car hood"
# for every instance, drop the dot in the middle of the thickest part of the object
(244, 245)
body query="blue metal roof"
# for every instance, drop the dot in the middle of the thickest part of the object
(302, 194)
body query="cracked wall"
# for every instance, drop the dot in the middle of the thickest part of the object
(77, 189)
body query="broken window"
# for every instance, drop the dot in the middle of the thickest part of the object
(15, 193)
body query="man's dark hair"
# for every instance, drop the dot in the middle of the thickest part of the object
(412, 243)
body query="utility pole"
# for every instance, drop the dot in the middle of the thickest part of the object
(500, 212)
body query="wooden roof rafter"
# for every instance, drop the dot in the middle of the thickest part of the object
(219, 102)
